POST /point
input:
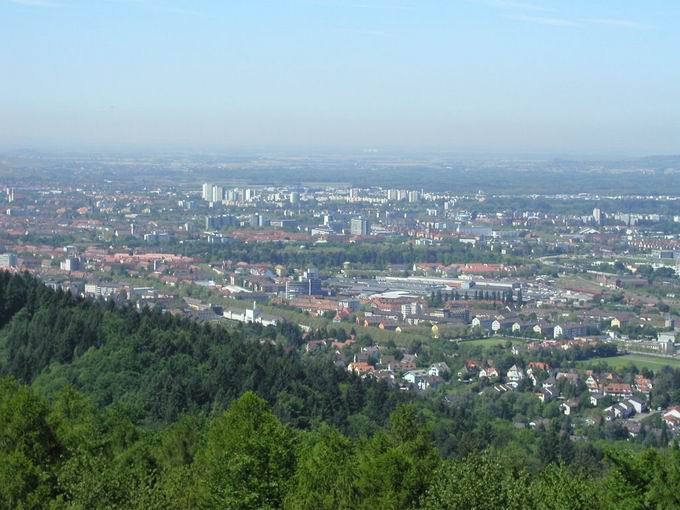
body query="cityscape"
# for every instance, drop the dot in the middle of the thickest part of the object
(339, 255)
(429, 272)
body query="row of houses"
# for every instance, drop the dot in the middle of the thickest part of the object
(564, 330)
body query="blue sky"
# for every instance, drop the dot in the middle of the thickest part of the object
(573, 77)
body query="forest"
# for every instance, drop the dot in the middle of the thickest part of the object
(104, 406)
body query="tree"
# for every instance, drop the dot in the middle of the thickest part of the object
(248, 459)
(325, 478)
(481, 481)
(559, 488)
(29, 449)
(394, 467)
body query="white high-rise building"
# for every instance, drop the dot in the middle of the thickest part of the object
(294, 197)
(207, 191)
(597, 215)
(217, 194)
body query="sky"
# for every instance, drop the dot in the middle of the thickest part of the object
(572, 77)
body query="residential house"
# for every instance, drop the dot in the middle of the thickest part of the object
(488, 373)
(643, 385)
(538, 365)
(639, 405)
(388, 362)
(406, 363)
(500, 324)
(619, 410)
(568, 407)
(593, 383)
(547, 394)
(415, 376)
(618, 390)
(571, 330)
(672, 418)
(430, 382)
(438, 369)
(572, 377)
(515, 374)
(543, 328)
(596, 399)
(360, 368)
(482, 321)
(471, 364)
(315, 345)
(549, 381)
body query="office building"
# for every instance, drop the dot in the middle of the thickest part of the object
(217, 222)
(8, 260)
(313, 280)
(295, 289)
(71, 264)
(359, 227)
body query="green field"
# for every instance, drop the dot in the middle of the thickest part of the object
(639, 360)
(490, 341)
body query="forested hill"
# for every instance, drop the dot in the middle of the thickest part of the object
(155, 366)
(106, 407)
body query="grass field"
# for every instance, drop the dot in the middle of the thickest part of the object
(490, 341)
(639, 360)
(578, 283)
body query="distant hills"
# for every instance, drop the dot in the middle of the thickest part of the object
(649, 175)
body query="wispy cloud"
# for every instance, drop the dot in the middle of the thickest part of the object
(34, 3)
(512, 4)
(364, 5)
(542, 15)
(160, 6)
(553, 22)
(617, 23)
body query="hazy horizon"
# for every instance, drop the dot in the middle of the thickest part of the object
(467, 77)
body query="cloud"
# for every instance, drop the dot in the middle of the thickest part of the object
(160, 6)
(580, 23)
(363, 5)
(512, 4)
(553, 22)
(617, 23)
